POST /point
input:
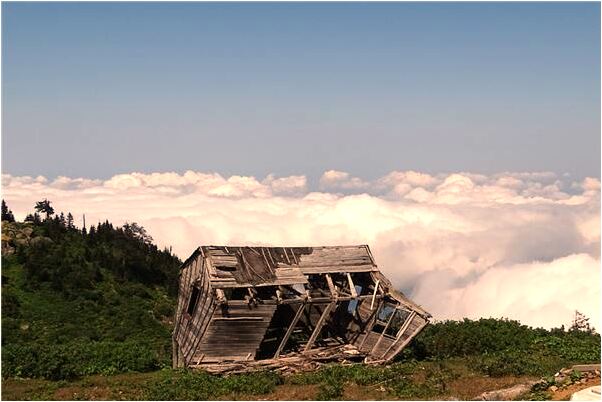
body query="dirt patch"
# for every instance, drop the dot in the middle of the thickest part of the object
(354, 392)
(564, 394)
(97, 387)
(24, 388)
(467, 388)
(133, 386)
(79, 392)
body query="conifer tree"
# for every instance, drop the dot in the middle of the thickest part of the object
(7, 214)
(44, 207)
(62, 220)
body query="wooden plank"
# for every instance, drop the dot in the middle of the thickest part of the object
(331, 287)
(379, 349)
(204, 311)
(337, 269)
(351, 285)
(367, 248)
(187, 319)
(200, 318)
(224, 339)
(257, 318)
(368, 342)
(232, 283)
(289, 331)
(319, 326)
(374, 295)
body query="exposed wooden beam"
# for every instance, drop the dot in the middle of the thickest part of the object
(319, 326)
(375, 292)
(294, 256)
(286, 255)
(302, 299)
(351, 285)
(289, 331)
(333, 290)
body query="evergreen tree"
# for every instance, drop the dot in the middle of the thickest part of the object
(44, 207)
(62, 220)
(7, 214)
(580, 323)
(137, 232)
(70, 221)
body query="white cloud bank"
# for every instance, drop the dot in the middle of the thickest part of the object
(516, 245)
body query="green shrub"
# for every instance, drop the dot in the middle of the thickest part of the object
(10, 303)
(505, 347)
(516, 363)
(77, 358)
(163, 308)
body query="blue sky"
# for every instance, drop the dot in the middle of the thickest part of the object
(298, 88)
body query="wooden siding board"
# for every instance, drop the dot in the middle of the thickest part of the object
(229, 339)
(191, 325)
(196, 326)
(231, 283)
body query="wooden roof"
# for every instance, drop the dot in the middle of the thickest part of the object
(256, 266)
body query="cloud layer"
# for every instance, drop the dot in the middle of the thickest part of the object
(516, 245)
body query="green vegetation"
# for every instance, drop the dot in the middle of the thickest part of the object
(77, 303)
(505, 347)
(185, 385)
(398, 379)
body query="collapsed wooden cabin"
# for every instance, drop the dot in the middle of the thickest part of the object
(242, 307)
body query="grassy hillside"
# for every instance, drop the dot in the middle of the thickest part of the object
(84, 302)
(77, 304)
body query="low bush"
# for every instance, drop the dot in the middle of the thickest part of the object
(78, 358)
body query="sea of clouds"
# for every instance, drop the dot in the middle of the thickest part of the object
(524, 246)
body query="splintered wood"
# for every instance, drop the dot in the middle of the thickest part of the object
(288, 309)
(289, 364)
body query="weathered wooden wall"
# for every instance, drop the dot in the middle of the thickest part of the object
(235, 332)
(189, 329)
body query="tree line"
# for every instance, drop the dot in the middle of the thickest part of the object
(72, 260)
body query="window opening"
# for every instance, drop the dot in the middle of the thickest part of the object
(194, 300)
(382, 317)
(235, 293)
(399, 318)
